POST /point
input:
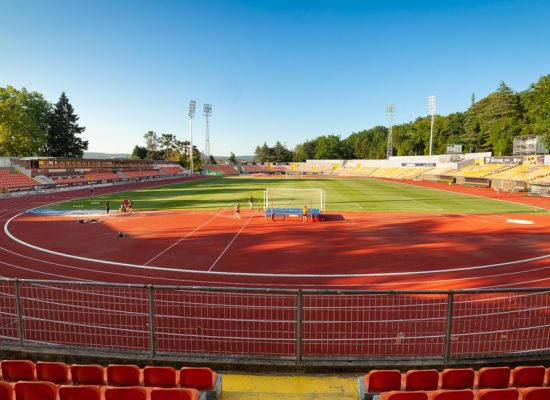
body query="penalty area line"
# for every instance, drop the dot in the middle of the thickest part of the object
(184, 237)
(231, 242)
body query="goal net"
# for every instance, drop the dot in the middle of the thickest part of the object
(290, 198)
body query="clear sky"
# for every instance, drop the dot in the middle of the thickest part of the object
(286, 70)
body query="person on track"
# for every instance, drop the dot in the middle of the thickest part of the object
(304, 214)
(237, 211)
(251, 202)
(107, 207)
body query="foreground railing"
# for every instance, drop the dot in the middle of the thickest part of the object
(298, 325)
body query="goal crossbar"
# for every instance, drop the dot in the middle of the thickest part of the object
(294, 198)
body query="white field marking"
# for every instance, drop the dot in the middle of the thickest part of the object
(520, 221)
(230, 243)
(473, 195)
(357, 205)
(44, 273)
(184, 237)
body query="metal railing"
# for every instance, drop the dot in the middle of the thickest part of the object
(297, 325)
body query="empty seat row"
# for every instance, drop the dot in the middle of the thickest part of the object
(377, 381)
(532, 393)
(40, 390)
(200, 378)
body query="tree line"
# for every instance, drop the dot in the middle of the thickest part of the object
(489, 124)
(32, 126)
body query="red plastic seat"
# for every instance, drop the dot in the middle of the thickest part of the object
(535, 393)
(528, 376)
(498, 394)
(125, 393)
(174, 394)
(457, 378)
(493, 377)
(86, 392)
(123, 375)
(38, 390)
(6, 391)
(200, 378)
(422, 379)
(18, 370)
(91, 374)
(55, 372)
(395, 395)
(164, 377)
(378, 380)
(465, 394)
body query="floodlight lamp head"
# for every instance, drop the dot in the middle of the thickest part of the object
(192, 105)
(207, 110)
(431, 105)
(390, 109)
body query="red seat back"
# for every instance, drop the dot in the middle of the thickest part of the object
(422, 379)
(174, 394)
(6, 391)
(536, 393)
(91, 374)
(394, 395)
(200, 378)
(465, 394)
(457, 378)
(498, 394)
(377, 381)
(528, 376)
(35, 391)
(18, 370)
(55, 372)
(87, 392)
(493, 377)
(164, 377)
(125, 393)
(123, 375)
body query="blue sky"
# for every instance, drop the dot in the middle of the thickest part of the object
(272, 70)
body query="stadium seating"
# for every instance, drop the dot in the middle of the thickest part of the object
(37, 390)
(165, 377)
(493, 377)
(404, 396)
(18, 370)
(100, 176)
(92, 374)
(377, 381)
(498, 394)
(421, 379)
(11, 179)
(528, 376)
(55, 372)
(464, 394)
(86, 392)
(6, 391)
(170, 170)
(123, 375)
(535, 393)
(200, 378)
(174, 394)
(141, 174)
(457, 378)
(125, 393)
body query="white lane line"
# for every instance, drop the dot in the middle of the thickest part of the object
(230, 243)
(357, 205)
(184, 237)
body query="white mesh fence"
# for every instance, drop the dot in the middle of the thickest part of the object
(8, 313)
(294, 198)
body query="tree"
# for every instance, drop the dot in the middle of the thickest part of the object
(152, 144)
(212, 160)
(536, 105)
(232, 158)
(62, 134)
(24, 120)
(139, 152)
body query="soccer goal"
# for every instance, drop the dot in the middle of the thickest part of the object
(291, 198)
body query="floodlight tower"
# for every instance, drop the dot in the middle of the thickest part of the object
(192, 105)
(390, 109)
(431, 110)
(207, 114)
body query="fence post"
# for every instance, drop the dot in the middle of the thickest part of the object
(19, 308)
(299, 297)
(448, 326)
(152, 337)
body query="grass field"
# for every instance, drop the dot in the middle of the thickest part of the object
(365, 195)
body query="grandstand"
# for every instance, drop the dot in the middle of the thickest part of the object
(220, 169)
(10, 179)
(141, 174)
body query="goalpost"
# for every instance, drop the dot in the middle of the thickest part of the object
(291, 198)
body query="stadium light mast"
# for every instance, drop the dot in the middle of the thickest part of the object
(207, 114)
(390, 109)
(192, 105)
(431, 110)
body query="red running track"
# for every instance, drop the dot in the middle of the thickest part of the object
(351, 250)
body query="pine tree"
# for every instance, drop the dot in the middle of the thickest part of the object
(63, 131)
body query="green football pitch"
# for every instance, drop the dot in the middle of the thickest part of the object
(363, 195)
